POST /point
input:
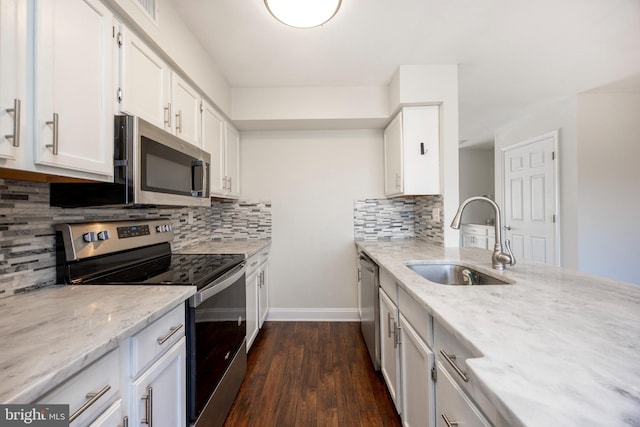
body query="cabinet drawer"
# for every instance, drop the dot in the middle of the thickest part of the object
(475, 229)
(454, 407)
(253, 262)
(99, 383)
(156, 339)
(456, 357)
(417, 316)
(264, 254)
(389, 285)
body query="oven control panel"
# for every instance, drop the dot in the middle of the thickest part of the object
(89, 239)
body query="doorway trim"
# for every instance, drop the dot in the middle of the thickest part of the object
(555, 135)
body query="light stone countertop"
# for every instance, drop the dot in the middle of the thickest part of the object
(560, 348)
(50, 334)
(243, 247)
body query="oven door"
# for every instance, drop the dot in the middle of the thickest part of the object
(216, 363)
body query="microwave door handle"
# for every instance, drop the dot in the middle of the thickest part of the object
(195, 165)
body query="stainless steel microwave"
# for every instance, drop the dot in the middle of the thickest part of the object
(151, 167)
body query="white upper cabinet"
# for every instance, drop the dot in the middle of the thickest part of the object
(145, 82)
(12, 83)
(151, 90)
(222, 141)
(186, 110)
(73, 72)
(412, 152)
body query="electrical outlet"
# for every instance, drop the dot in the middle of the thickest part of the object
(435, 214)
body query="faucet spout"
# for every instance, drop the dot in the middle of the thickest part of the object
(499, 258)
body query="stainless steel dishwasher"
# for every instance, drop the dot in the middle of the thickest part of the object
(370, 308)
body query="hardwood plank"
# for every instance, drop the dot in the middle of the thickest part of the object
(311, 374)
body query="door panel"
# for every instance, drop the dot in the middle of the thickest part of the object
(529, 174)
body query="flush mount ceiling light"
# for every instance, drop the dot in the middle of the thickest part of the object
(303, 14)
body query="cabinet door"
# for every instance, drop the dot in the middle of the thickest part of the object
(145, 83)
(213, 143)
(12, 83)
(232, 155)
(263, 297)
(421, 150)
(186, 110)
(454, 407)
(389, 350)
(74, 86)
(393, 183)
(418, 394)
(252, 308)
(159, 395)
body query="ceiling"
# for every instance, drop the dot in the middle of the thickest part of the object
(513, 55)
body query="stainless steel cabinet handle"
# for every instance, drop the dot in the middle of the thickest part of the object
(16, 122)
(55, 122)
(507, 227)
(179, 121)
(389, 318)
(230, 185)
(172, 331)
(451, 358)
(125, 422)
(167, 115)
(398, 181)
(93, 398)
(396, 340)
(148, 407)
(448, 422)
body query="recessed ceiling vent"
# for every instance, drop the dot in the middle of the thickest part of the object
(150, 7)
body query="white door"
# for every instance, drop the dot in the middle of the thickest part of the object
(12, 84)
(389, 351)
(186, 106)
(213, 143)
(252, 307)
(263, 297)
(74, 85)
(530, 194)
(232, 161)
(146, 83)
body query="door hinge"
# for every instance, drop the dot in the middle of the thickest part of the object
(119, 95)
(553, 155)
(201, 106)
(119, 39)
(434, 373)
(553, 218)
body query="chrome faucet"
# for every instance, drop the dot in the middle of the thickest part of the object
(499, 259)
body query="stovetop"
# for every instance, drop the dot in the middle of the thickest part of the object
(173, 269)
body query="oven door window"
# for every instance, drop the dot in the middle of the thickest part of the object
(165, 170)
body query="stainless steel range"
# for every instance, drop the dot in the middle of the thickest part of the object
(139, 252)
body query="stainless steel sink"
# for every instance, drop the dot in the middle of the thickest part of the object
(454, 274)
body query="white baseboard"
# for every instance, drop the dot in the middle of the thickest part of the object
(313, 314)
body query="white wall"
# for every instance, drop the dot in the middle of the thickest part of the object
(609, 178)
(312, 179)
(477, 178)
(557, 116)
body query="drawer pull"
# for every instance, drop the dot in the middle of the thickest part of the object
(148, 407)
(93, 398)
(125, 422)
(56, 140)
(172, 331)
(15, 136)
(448, 422)
(389, 328)
(451, 358)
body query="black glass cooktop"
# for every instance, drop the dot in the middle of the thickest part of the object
(173, 269)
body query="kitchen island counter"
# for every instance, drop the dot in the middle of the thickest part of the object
(557, 348)
(52, 333)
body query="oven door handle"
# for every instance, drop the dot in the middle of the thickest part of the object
(219, 285)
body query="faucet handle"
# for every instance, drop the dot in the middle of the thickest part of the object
(507, 244)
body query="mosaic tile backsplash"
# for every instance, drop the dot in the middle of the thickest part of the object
(398, 218)
(27, 238)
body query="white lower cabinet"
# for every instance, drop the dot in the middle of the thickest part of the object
(112, 417)
(257, 293)
(389, 348)
(89, 392)
(159, 394)
(416, 361)
(454, 407)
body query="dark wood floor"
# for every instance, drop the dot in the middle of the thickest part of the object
(311, 374)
